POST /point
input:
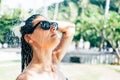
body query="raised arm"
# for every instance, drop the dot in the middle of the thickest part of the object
(67, 29)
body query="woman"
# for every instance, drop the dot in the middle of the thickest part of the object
(42, 50)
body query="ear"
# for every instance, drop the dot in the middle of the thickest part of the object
(31, 42)
(27, 37)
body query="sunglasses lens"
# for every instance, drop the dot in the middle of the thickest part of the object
(45, 25)
(55, 24)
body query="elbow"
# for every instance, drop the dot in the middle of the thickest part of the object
(68, 30)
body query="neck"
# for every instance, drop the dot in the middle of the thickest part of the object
(42, 57)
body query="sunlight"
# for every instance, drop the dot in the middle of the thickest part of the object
(28, 4)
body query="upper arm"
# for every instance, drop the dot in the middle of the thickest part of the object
(67, 36)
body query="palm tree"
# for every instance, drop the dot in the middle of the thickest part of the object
(119, 7)
(0, 2)
(56, 11)
(112, 37)
(0, 5)
(105, 24)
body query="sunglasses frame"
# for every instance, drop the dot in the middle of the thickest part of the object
(45, 25)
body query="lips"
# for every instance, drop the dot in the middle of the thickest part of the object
(54, 35)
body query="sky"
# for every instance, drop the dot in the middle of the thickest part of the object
(27, 4)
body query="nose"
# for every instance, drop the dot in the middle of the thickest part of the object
(52, 28)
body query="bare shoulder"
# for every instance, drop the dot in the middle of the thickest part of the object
(23, 76)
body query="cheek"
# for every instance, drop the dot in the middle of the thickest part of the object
(41, 37)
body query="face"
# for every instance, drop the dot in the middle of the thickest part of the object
(44, 38)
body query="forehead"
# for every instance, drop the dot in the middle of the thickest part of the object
(39, 18)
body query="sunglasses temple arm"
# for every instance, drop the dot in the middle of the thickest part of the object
(36, 25)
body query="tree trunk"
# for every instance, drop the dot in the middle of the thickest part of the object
(45, 10)
(107, 8)
(118, 55)
(56, 11)
(105, 23)
(102, 41)
(0, 7)
(119, 8)
(0, 2)
(84, 5)
(116, 50)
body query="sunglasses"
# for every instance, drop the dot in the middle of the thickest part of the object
(45, 25)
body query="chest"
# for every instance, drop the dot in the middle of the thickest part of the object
(48, 76)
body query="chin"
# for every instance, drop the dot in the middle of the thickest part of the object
(55, 43)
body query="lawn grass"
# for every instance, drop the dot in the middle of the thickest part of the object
(9, 70)
(80, 72)
(115, 67)
(91, 72)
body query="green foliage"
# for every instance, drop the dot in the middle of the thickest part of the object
(113, 28)
(88, 16)
(89, 19)
(7, 21)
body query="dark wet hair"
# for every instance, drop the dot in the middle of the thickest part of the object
(26, 49)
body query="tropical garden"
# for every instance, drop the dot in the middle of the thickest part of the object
(97, 21)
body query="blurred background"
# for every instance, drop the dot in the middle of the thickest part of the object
(94, 53)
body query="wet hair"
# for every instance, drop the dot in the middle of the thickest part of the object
(26, 49)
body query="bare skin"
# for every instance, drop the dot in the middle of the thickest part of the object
(48, 51)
